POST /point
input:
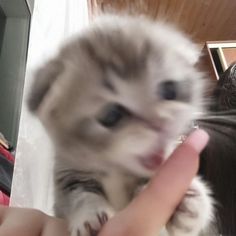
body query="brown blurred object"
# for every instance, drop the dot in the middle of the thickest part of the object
(205, 20)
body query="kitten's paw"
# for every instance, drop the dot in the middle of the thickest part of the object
(194, 212)
(89, 223)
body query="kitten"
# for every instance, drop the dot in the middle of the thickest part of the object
(114, 101)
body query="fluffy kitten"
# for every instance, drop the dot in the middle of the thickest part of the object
(114, 101)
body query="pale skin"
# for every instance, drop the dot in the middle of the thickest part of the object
(145, 215)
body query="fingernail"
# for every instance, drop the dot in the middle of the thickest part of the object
(197, 140)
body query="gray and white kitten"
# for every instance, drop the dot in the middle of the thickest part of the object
(114, 101)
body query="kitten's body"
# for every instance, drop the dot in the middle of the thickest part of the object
(114, 101)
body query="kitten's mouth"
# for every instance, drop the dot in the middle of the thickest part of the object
(153, 161)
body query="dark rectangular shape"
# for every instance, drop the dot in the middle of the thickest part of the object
(217, 61)
(14, 34)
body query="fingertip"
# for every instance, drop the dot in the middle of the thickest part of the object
(197, 140)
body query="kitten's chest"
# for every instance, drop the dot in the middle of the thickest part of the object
(119, 188)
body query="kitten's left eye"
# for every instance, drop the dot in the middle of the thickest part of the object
(168, 90)
(112, 115)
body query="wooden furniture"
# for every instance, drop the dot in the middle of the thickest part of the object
(218, 56)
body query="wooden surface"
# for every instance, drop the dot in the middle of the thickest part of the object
(230, 55)
(203, 19)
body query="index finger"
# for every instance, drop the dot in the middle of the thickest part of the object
(151, 210)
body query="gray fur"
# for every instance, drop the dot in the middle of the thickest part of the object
(120, 60)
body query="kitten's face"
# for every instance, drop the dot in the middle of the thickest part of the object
(121, 94)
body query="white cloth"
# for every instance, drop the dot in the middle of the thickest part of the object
(52, 23)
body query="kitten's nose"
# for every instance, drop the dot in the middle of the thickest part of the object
(152, 123)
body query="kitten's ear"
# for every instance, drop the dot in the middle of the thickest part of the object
(44, 79)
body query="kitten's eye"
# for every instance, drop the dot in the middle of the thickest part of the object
(112, 115)
(168, 90)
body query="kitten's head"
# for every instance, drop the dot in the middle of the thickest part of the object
(120, 93)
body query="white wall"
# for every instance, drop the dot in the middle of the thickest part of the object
(52, 23)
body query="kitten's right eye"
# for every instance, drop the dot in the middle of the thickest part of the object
(112, 115)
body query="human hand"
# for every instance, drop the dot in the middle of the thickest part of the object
(152, 209)
(30, 222)
(145, 215)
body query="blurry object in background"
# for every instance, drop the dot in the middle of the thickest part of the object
(4, 199)
(6, 144)
(6, 173)
(225, 92)
(217, 57)
(6, 153)
(6, 170)
(3, 141)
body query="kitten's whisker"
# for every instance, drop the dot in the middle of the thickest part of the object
(217, 114)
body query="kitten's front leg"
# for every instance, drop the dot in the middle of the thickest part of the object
(194, 212)
(90, 213)
(81, 200)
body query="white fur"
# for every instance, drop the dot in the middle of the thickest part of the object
(85, 214)
(196, 213)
